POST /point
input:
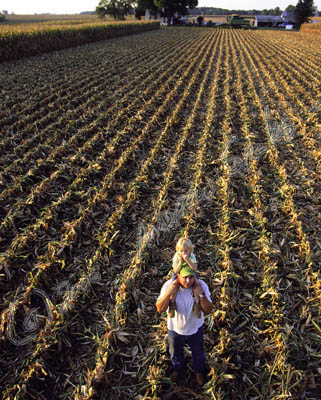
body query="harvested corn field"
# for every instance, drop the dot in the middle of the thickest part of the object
(111, 151)
(314, 29)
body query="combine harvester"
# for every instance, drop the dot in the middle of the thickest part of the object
(237, 21)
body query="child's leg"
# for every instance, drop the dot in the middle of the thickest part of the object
(172, 304)
(196, 298)
(174, 276)
(173, 296)
(197, 306)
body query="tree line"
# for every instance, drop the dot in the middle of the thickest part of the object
(168, 8)
(224, 11)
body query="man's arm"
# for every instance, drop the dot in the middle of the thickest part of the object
(206, 305)
(163, 302)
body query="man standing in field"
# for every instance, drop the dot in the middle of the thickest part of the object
(185, 327)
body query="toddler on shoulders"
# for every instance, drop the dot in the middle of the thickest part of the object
(184, 256)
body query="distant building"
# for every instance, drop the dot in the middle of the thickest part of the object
(288, 18)
(4, 12)
(267, 21)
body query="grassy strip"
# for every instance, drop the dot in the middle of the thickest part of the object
(15, 45)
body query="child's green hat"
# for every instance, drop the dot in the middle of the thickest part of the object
(186, 270)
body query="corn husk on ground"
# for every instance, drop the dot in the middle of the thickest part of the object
(111, 152)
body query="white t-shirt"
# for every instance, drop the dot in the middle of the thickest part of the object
(184, 321)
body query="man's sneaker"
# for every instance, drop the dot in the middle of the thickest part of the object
(197, 310)
(199, 377)
(171, 310)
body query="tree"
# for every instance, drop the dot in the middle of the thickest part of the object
(290, 8)
(117, 8)
(277, 11)
(303, 10)
(171, 7)
(143, 5)
(200, 20)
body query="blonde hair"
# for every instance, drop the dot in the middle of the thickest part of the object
(182, 242)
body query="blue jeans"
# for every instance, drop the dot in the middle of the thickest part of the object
(176, 349)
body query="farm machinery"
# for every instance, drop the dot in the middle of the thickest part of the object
(237, 21)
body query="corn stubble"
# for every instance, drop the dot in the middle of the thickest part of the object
(95, 161)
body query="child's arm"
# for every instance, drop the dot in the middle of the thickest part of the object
(177, 263)
(190, 263)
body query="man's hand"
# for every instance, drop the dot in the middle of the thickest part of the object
(205, 304)
(173, 287)
(197, 288)
(163, 303)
